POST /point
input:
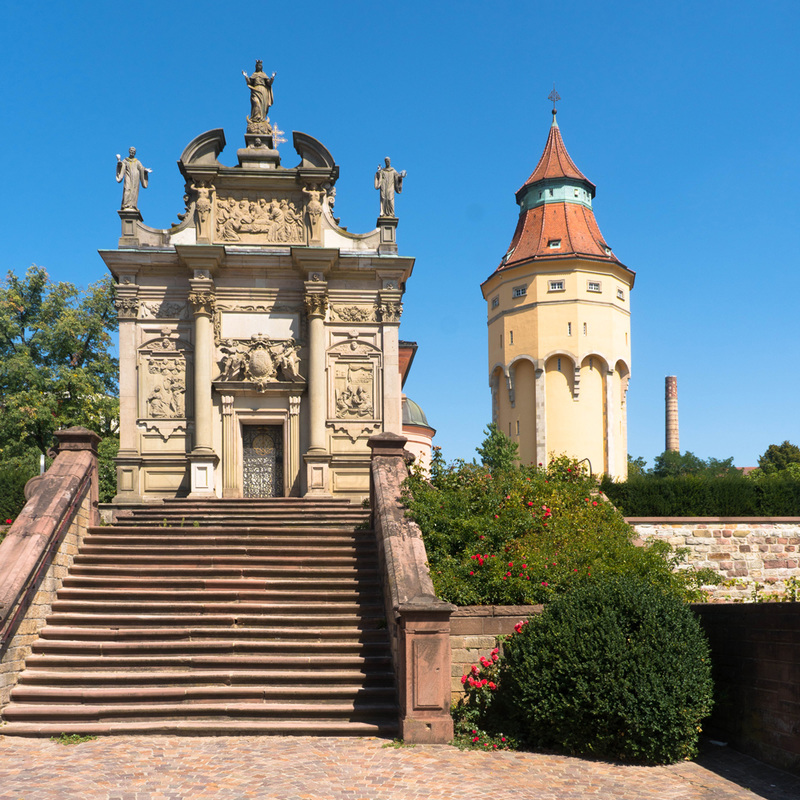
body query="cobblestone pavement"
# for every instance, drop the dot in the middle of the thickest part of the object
(304, 768)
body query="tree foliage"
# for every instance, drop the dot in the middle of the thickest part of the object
(779, 457)
(56, 366)
(671, 464)
(497, 450)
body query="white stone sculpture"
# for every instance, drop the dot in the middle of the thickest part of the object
(388, 181)
(260, 93)
(131, 173)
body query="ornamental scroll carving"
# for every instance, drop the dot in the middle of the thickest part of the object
(203, 301)
(260, 361)
(275, 221)
(127, 307)
(391, 312)
(354, 313)
(158, 309)
(316, 305)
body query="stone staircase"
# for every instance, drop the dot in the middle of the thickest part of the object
(216, 617)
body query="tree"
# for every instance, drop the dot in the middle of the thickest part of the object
(778, 457)
(497, 452)
(636, 466)
(56, 368)
(671, 464)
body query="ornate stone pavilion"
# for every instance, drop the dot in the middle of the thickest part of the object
(258, 338)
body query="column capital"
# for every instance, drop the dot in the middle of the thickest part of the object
(203, 299)
(316, 302)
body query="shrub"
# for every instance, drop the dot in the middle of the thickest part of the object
(523, 536)
(615, 668)
(14, 474)
(107, 468)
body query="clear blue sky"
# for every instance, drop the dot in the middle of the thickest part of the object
(684, 114)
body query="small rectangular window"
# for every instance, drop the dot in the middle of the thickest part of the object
(594, 286)
(569, 329)
(556, 286)
(519, 291)
(509, 429)
(554, 244)
(584, 329)
(620, 294)
(558, 364)
(495, 302)
(517, 427)
(511, 337)
(501, 340)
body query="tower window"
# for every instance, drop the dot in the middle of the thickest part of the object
(584, 329)
(569, 329)
(594, 286)
(556, 286)
(558, 364)
(517, 427)
(551, 192)
(554, 244)
(511, 337)
(577, 192)
(519, 291)
(591, 363)
(620, 294)
(501, 340)
(495, 302)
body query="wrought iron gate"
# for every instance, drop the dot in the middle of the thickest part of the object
(263, 460)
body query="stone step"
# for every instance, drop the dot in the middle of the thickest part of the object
(73, 676)
(243, 661)
(300, 533)
(272, 595)
(30, 694)
(168, 571)
(202, 560)
(141, 634)
(316, 545)
(148, 583)
(299, 620)
(245, 520)
(233, 647)
(264, 708)
(306, 609)
(219, 727)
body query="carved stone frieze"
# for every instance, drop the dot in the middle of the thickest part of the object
(127, 307)
(164, 427)
(316, 304)
(167, 397)
(391, 312)
(162, 309)
(354, 389)
(203, 301)
(353, 432)
(260, 361)
(261, 220)
(354, 313)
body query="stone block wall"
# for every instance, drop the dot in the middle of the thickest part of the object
(755, 652)
(746, 552)
(19, 648)
(474, 632)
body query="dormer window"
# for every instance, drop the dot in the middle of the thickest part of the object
(554, 244)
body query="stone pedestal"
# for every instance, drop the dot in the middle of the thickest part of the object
(131, 218)
(260, 152)
(388, 231)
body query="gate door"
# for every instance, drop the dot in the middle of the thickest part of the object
(263, 460)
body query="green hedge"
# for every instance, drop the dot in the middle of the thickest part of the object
(14, 474)
(615, 668)
(697, 496)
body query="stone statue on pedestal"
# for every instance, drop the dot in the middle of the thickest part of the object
(260, 94)
(131, 174)
(388, 181)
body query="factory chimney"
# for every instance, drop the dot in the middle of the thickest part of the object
(672, 439)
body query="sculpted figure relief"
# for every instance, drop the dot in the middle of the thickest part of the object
(260, 361)
(273, 221)
(260, 93)
(388, 181)
(131, 174)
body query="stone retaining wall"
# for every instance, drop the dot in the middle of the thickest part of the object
(746, 552)
(755, 653)
(474, 631)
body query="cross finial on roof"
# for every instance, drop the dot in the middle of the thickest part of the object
(555, 97)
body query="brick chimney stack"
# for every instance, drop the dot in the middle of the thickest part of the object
(671, 396)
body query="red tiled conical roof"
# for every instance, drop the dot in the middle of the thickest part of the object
(555, 162)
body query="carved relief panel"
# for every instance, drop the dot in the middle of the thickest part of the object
(162, 368)
(259, 220)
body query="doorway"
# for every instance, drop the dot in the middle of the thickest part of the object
(262, 461)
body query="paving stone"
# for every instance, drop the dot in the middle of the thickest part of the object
(310, 768)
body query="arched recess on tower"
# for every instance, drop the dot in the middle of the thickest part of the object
(621, 379)
(523, 421)
(593, 403)
(501, 404)
(561, 407)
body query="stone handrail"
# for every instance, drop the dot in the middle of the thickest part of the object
(418, 622)
(55, 499)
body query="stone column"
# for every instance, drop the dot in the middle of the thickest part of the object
(391, 310)
(202, 457)
(294, 444)
(128, 458)
(317, 458)
(673, 441)
(610, 466)
(540, 389)
(229, 463)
